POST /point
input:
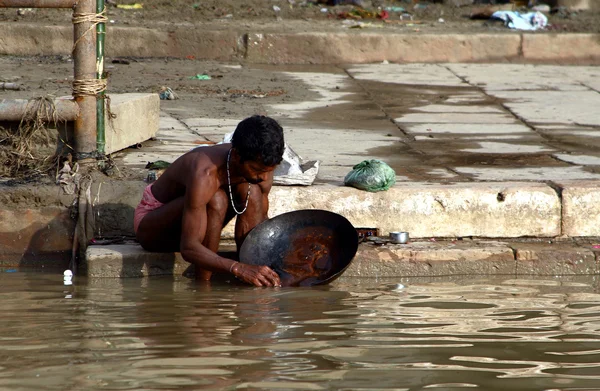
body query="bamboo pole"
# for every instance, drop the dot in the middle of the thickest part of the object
(16, 109)
(84, 58)
(100, 33)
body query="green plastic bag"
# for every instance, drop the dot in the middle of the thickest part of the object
(371, 175)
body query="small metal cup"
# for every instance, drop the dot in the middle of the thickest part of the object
(399, 237)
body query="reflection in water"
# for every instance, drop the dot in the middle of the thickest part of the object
(359, 334)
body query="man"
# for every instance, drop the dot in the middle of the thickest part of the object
(187, 207)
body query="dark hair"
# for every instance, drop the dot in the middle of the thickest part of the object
(259, 138)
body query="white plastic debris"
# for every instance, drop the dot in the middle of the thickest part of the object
(68, 277)
(518, 21)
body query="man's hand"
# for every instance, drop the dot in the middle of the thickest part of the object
(256, 275)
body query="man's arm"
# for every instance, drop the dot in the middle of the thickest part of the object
(194, 224)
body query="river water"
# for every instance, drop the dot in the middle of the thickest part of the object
(357, 334)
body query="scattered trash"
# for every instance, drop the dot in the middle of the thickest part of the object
(151, 177)
(25, 11)
(166, 93)
(358, 3)
(371, 175)
(130, 6)
(441, 20)
(10, 270)
(324, 10)
(360, 13)
(200, 77)
(157, 165)
(399, 237)
(276, 8)
(156, 170)
(596, 246)
(519, 21)
(9, 86)
(385, 62)
(293, 170)
(394, 9)
(68, 178)
(120, 61)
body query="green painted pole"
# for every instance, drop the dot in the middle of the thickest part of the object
(100, 33)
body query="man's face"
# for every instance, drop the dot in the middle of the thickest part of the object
(256, 172)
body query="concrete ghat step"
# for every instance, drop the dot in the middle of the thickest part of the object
(416, 259)
(318, 47)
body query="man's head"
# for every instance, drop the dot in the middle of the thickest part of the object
(258, 142)
(260, 139)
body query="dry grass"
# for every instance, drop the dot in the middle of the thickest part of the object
(30, 150)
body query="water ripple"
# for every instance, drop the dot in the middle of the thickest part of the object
(174, 334)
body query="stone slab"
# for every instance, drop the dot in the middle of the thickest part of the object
(553, 107)
(466, 129)
(29, 39)
(137, 120)
(584, 160)
(561, 47)
(456, 118)
(202, 44)
(414, 259)
(431, 259)
(517, 77)
(581, 208)
(426, 210)
(553, 260)
(357, 48)
(408, 74)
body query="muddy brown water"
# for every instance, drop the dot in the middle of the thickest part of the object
(358, 334)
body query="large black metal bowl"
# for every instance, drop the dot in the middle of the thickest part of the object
(305, 247)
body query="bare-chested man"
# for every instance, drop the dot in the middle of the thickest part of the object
(187, 207)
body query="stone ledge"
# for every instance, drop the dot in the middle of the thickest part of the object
(260, 46)
(439, 210)
(416, 259)
(420, 259)
(561, 47)
(337, 48)
(554, 260)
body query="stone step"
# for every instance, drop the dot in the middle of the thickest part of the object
(382, 259)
